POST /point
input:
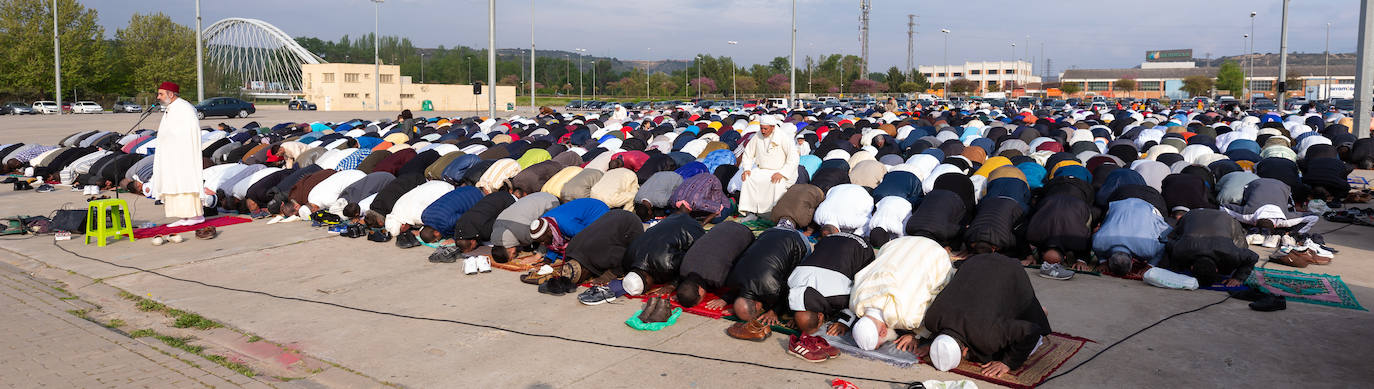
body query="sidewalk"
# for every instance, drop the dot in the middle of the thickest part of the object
(45, 344)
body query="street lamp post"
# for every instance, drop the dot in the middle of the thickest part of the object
(1244, 72)
(1326, 54)
(734, 90)
(491, 58)
(1252, 56)
(56, 58)
(792, 61)
(579, 75)
(646, 73)
(377, 56)
(200, 70)
(593, 80)
(699, 76)
(948, 76)
(469, 69)
(532, 82)
(1003, 79)
(422, 68)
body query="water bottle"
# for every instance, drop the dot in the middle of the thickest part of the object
(1167, 279)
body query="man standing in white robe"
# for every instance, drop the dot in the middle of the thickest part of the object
(177, 160)
(769, 165)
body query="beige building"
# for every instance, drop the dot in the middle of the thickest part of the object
(1001, 75)
(350, 87)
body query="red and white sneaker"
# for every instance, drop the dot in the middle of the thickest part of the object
(824, 346)
(803, 347)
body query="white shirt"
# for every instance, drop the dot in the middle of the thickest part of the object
(327, 192)
(241, 188)
(330, 159)
(411, 205)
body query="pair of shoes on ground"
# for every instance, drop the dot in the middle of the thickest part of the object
(207, 233)
(597, 295)
(656, 310)
(1055, 271)
(163, 239)
(752, 330)
(557, 286)
(477, 264)
(1261, 301)
(811, 348)
(1301, 256)
(538, 276)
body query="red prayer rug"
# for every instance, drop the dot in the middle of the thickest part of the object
(142, 233)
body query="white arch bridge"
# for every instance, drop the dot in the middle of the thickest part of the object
(259, 57)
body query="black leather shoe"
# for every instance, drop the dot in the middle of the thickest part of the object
(1270, 304)
(1249, 294)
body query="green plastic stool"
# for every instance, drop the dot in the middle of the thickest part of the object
(117, 211)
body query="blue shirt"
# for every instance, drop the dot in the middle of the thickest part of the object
(1132, 226)
(442, 215)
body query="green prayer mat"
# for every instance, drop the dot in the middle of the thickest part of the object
(1320, 289)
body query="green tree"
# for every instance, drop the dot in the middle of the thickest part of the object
(962, 85)
(1070, 88)
(153, 49)
(922, 84)
(895, 78)
(994, 87)
(1229, 78)
(910, 87)
(1125, 84)
(1197, 85)
(26, 47)
(1293, 82)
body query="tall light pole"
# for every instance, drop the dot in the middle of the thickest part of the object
(646, 73)
(532, 82)
(1244, 73)
(579, 74)
(687, 79)
(734, 90)
(593, 80)
(377, 56)
(422, 68)
(1002, 80)
(56, 58)
(1365, 51)
(469, 60)
(1326, 54)
(948, 75)
(699, 76)
(792, 60)
(200, 70)
(1252, 56)
(491, 58)
(1282, 78)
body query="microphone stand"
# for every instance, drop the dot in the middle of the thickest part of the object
(145, 115)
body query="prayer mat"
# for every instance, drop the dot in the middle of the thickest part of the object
(143, 233)
(1056, 349)
(776, 328)
(1320, 289)
(1053, 353)
(512, 265)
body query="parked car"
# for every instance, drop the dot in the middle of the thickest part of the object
(87, 107)
(126, 107)
(1345, 105)
(1264, 104)
(225, 106)
(45, 107)
(66, 107)
(573, 104)
(16, 108)
(300, 105)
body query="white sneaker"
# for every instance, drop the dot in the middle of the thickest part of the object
(176, 238)
(469, 265)
(483, 263)
(1289, 241)
(159, 240)
(293, 218)
(1271, 241)
(1318, 250)
(275, 219)
(1255, 239)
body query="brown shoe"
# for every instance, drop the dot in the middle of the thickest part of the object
(1312, 257)
(207, 233)
(749, 330)
(1293, 259)
(648, 309)
(661, 312)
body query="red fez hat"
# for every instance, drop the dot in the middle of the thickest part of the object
(170, 87)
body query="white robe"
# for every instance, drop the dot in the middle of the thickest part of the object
(177, 160)
(902, 281)
(762, 158)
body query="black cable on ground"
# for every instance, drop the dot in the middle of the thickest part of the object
(1128, 337)
(479, 325)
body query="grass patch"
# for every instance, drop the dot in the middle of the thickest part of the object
(115, 323)
(254, 338)
(81, 313)
(186, 320)
(185, 345)
(128, 296)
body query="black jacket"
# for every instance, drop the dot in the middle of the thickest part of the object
(761, 273)
(477, 222)
(659, 251)
(1061, 222)
(998, 222)
(601, 246)
(712, 257)
(1213, 234)
(990, 307)
(940, 217)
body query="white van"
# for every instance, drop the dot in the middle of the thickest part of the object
(777, 103)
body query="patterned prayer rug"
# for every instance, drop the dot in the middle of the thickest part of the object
(1052, 354)
(1320, 289)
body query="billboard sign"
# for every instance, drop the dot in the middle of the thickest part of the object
(1183, 55)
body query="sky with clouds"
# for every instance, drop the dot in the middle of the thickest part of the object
(1077, 33)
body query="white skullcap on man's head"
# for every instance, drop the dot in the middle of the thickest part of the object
(945, 353)
(769, 120)
(633, 284)
(866, 333)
